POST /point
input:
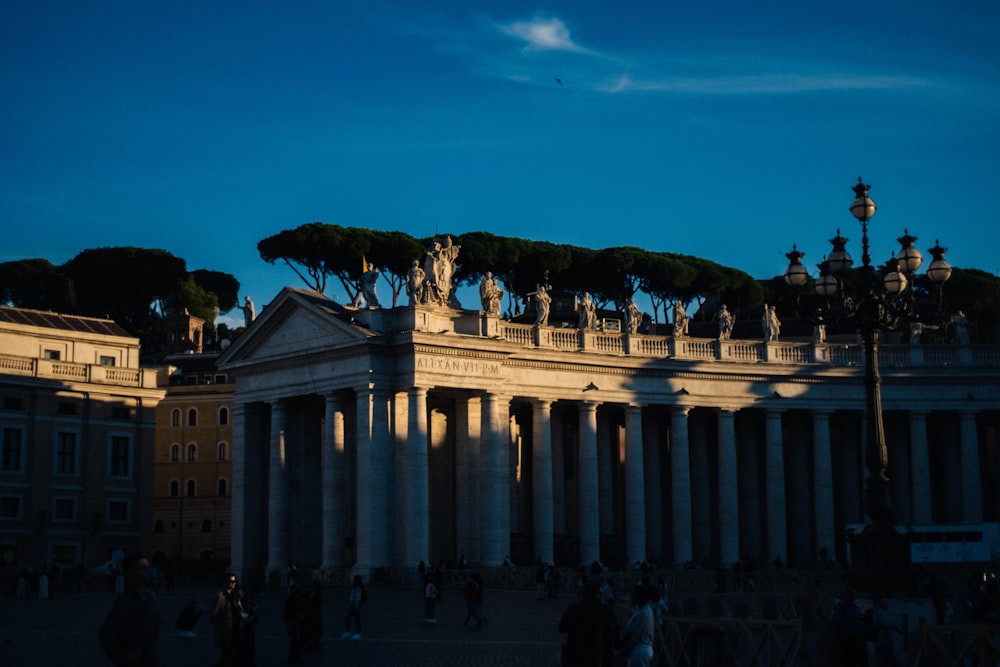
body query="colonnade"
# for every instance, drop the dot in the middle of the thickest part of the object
(351, 478)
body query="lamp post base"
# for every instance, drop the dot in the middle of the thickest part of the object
(880, 560)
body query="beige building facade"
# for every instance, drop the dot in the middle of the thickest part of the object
(192, 488)
(380, 438)
(77, 423)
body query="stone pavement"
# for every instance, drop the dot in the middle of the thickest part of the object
(522, 631)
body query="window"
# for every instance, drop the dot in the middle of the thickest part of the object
(52, 355)
(175, 488)
(158, 527)
(206, 526)
(12, 454)
(63, 509)
(192, 453)
(121, 412)
(104, 360)
(119, 458)
(65, 453)
(175, 417)
(175, 452)
(223, 416)
(13, 403)
(10, 507)
(119, 511)
(192, 417)
(223, 487)
(222, 451)
(67, 408)
(190, 488)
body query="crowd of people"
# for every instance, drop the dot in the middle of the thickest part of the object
(598, 625)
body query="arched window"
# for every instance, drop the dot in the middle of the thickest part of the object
(206, 526)
(223, 416)
(223, 486)
(175, 453)
(175, 417)
(222, 451)
(192, 417)
(190, 488)
(175, 488)
(192, 453)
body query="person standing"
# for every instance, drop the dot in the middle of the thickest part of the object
(245, 640)
(356, 598)
(637, 644)
(590, 630)
(849, 625)
(294, 616)
(225, 622)
(131, 630)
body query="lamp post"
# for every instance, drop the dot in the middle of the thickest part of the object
(878, 305)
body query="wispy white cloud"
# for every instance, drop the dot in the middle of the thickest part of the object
(543, 34)
(774, 83)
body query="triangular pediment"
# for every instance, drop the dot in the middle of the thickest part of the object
(297, 322)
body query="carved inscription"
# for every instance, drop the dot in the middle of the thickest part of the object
(460, 366)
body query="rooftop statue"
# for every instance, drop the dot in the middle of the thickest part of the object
(587, 313)
(439, 267)
(249, 312)
(725, 323)
(681, 319)
(490, 294)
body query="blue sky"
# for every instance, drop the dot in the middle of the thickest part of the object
(727, 130)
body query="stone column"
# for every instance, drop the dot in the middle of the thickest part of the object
(729, 510)
(541, 452)
(680, 484)
(495, 501)
(635, 496)
(558, 476)
(920, 468)
(417, 498)
(374, 485)
(972, 501)
(238, 544)
(774, 474)
(334, 492)
(278, 510)
(589, 507)
(823, 483)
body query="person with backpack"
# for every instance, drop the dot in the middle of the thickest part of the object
(356, 598)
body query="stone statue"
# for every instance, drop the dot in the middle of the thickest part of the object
(586, 313)
(961, 323)
(633, 317)
(415, 283)
(725, 323)
(770, 324)
(439, 267)
(368, 280)
(490, 294)
(542, 303)
(681, 319)
(249, 314)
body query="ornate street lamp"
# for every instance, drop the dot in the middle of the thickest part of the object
(795, 274)
(878, 305)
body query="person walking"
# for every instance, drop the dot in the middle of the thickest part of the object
(431, 594)
(294, 616)
(131, 630)
(849, 626)
(225, 622)
(356, 598)
(245, 640)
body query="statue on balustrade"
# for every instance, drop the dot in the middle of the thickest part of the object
(439, 267)
(368, 280)
(681, 319)
(918, 328)
(770, 324)
(725, 323)
(248, 310)
(633, 317)
(490, 294)
(961, 323)
(416, 284)
(542, 303)
(587, 313)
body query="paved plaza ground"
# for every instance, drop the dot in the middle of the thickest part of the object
(522, 631)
